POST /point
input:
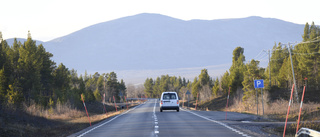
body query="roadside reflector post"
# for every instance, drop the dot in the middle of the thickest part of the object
(104, 97)
(227, 103)
(126, 101)
(115, 104)
(188, 100)
(197, 101)
(304, 89)
(188, 93)
(285, 126)
(86, 109)
(183, 100)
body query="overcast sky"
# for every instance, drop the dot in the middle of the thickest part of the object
(49, 19)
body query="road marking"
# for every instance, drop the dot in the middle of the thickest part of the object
(156, 127)
(108, 121)
(220, 123)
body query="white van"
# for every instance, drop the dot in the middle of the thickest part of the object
(169, 101)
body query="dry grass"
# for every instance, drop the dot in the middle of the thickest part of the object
(276, 109)
(61, 111)
(250, 106)
(62, 120)
(95, 118)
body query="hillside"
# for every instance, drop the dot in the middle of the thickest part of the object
(158, 43)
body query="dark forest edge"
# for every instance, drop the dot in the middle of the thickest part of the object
(27, 74)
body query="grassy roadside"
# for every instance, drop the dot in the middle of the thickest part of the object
(32, 121)
(275, 110)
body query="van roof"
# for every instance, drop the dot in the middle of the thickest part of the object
(169, 92)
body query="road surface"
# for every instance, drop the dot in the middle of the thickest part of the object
(146, 120)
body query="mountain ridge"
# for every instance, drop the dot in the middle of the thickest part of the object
(158, 42)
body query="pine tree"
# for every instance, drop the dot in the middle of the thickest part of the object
(61, 80)
(0, 36)
(97, 95)
(156, 88)
(14, 96)
(305, 35)
(29, 66)
(204, 77)
(148, 87)
(3, 88)
(251, 73)
(195, 87)
(225, 82)
(237, 68)
(216, 87)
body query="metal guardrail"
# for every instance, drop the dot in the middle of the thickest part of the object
(306, 132)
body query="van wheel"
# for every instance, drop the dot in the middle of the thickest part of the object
(177, 110)
(160, 110)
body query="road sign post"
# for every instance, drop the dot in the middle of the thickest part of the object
(262, 102)
(257, 102)
(259, 84)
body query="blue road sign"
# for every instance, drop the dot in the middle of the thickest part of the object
(258, 83)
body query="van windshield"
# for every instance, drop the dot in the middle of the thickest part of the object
(168, 96)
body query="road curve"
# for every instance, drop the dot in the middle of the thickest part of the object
(146, 120)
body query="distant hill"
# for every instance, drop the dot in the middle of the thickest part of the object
(157, 42)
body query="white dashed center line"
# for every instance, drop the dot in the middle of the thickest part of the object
(156, 127)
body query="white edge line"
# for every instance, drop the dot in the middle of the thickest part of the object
(220, 123)
(108, 121)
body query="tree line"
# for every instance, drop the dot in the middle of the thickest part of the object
(27, 74)
(241, 75)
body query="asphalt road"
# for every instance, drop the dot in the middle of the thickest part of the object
(146, 120)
